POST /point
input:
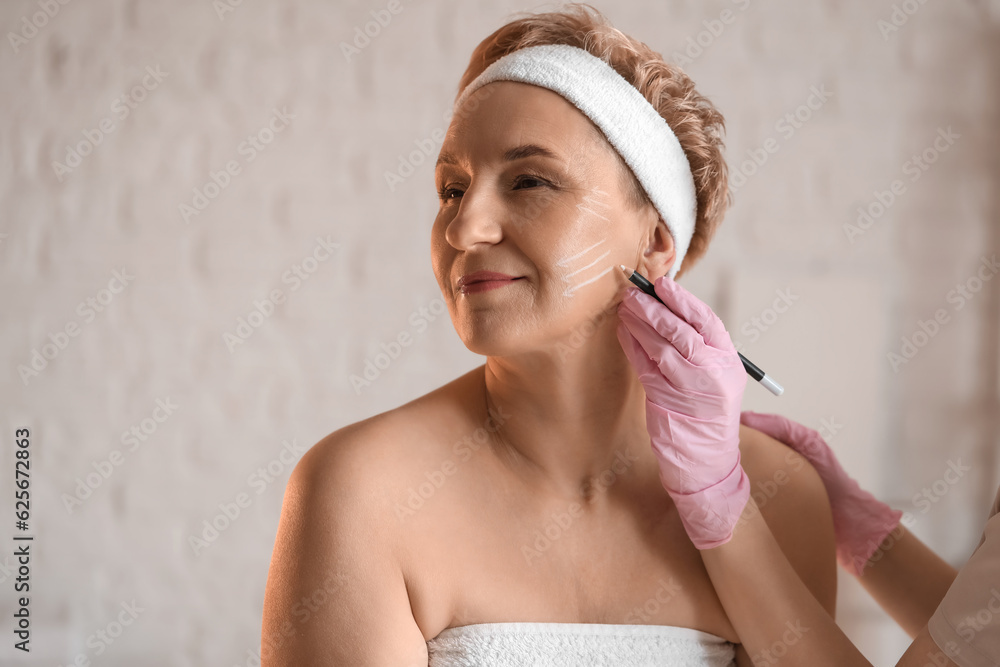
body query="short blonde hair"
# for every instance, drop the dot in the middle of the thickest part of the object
(697, 123)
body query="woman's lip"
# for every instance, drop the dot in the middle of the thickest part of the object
(484, 276)
(486, 285)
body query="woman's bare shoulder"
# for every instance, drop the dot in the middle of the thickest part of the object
(780, 476)
(339, 532)
(386, 447)
(763, 456)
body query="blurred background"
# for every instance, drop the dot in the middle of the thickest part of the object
(215, 213)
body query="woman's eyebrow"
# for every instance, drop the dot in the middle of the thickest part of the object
(529, 150)
(509, 155)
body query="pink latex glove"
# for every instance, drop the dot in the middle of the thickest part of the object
(860, 521)
(694, 383)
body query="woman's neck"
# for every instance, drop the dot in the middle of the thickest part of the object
(574, 417)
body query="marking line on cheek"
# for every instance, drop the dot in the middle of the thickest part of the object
(571, 289)
(606, 253)
(566, 260)
(589, 200)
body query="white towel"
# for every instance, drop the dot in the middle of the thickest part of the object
(577, 645)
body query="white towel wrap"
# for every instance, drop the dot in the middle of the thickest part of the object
(577, 645)
(637, 131)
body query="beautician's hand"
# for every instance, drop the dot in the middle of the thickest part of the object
(860, 521)
(694, 383)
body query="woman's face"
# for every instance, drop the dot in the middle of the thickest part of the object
(557, 223)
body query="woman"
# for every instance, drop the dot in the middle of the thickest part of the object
(517, 514)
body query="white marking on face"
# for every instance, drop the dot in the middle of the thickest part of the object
(588, 199)
(566, 260)
(585, 254)
(570, 291)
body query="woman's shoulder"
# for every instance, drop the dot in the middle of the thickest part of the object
(365, 458)
(339, 532)
(783, 483)
(767, 459)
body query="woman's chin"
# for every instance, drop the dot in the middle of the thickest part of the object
(494, 343)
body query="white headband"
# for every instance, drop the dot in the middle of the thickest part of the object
(637, 131)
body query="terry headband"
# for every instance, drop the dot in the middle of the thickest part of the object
(637, 131)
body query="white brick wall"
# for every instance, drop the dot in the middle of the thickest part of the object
(323, 176)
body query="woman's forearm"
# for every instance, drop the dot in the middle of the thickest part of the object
(907, 579)
(770, 608)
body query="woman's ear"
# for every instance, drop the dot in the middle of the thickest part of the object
(659, 255)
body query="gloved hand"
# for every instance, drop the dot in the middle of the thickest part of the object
(860, 521)
(694, 383)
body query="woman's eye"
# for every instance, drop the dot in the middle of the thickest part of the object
(445, 194)
(528, 178)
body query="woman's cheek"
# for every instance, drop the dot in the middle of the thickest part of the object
(586, 252)
(581, 264)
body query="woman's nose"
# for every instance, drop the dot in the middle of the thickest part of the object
(477, 221)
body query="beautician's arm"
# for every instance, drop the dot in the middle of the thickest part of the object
(907, 579)
(774, 613)
(794, 506)
(335, 592)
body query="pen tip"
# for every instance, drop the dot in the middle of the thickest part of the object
(624, 268)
